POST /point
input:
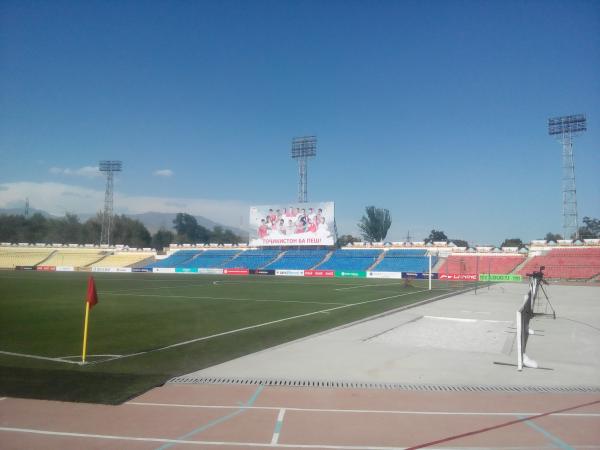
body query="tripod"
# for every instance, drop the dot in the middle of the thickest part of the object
(536, 284)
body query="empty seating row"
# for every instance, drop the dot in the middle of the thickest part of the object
(124, 259)
(11, 258)
(298, 260)
(394, 263)
(481, 264)
(177, 259)
(563, 265)
(211, 259)
(354, 260)
(252, 259)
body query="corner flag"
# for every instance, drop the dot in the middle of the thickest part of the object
(92, 296)
(91, 299)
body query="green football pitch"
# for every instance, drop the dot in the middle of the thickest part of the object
(148, 328)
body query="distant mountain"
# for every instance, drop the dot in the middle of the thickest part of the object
(155, 220)
(152, 220)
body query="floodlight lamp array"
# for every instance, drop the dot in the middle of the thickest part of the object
(304, 147)
(110, 166)
(567, 124)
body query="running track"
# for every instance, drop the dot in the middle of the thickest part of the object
(179, 416)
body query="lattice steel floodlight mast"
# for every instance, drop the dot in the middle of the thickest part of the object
(303, 148)
(564, 129)
(108, 167)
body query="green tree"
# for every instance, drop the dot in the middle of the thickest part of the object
(590, 229)
(512, 242)
(162, 238)
(91, 229)
(437, 236)
(346, 239)
(552, 237)
(188, 230)
(375, 223)
(130, 232)
(36, 229)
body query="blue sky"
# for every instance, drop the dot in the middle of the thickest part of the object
(436, 110)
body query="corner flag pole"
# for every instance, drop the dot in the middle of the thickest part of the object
(90, 300)
(85, 332)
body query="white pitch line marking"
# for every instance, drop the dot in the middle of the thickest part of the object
(45, 358)
(250, 327)
(365, 411)
(365, 285)
(201, 297)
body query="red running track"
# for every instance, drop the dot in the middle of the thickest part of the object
(179, 416)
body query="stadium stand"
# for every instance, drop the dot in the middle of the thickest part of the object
(566, 263)
(123, 259)
(11, 257)
(350, 260)
(75, 257)
(497, 264)
(176, 259)
(409, 260)
(212, 258)
(298, 260)
(252, 259)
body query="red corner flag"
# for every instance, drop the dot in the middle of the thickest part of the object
(92, 296)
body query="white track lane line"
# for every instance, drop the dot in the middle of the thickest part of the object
(232, 444)
(278, 426)
(365, 411)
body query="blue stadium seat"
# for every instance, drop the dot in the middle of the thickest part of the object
(350, 260)
(177, 259)
(212, 258)
(252, 259)
(406, 260)
(298, 260)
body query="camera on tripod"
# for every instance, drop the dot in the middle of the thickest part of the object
(539, 275)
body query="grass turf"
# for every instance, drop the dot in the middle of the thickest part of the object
(42, 315)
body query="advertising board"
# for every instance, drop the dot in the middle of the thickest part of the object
(236, 271)
(289, 273)
(210, 271)
(65, 269)
(281, 225)
(499, 277)
(112, 269)
(141, 269)
(341, 273)
(384, 275)
(45, 268)
(319, 273)
(458, 276)
(419, 275)
(186, 270)
(262, 272)
(163, 269)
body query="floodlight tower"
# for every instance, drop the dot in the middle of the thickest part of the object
(303, 148)
(109, 168)
(565, 128)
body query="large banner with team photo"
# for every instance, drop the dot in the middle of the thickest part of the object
(293, 224)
